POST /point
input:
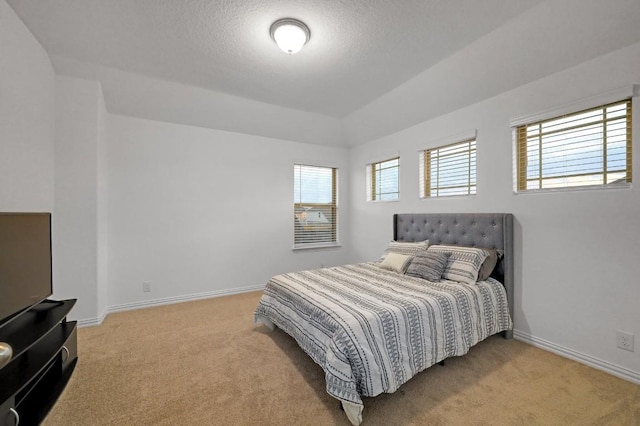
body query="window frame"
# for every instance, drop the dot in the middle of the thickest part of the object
(521, 159)
(426, 185)
(333, 206)
(372, 194)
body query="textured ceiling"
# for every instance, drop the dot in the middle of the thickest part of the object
(359, 49)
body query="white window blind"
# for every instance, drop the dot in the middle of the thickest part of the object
(383, 180)
(583, 149)
(315, 206)
(448, 170)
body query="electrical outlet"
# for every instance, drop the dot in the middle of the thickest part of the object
(625, 340)
(146, 286)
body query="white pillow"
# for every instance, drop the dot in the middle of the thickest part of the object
(396, 262)
(408, 249)
(464, 262)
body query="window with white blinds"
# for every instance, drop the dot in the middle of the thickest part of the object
(583, 149)
(383, 180)
(448, 170)
(315, 206)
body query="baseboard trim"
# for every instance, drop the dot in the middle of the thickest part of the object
(166, 301)
(599, 364)
(88, 322)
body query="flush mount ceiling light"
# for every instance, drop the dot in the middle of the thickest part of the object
(290, 34)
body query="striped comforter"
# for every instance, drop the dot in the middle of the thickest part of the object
(371, 330)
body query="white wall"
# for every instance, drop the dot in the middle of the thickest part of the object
(201, 211)
(26, 118)
(79, 183)
(576, 252)
(102, 209)
(140, 96)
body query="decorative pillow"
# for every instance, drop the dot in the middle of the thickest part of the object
(408, 249)
(428, 265)
(396, 262)
(488, 265)
(464, 262)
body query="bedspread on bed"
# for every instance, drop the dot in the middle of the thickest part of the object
(371, 330)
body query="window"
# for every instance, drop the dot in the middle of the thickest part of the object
(315, 206)
(449, 170)
(383, 180)
(586, 148)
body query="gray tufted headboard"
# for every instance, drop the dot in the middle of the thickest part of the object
(491, 230)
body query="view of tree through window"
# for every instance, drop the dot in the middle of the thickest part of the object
(591, 147)
(315, 205)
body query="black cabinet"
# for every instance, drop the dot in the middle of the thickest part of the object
(45, 353)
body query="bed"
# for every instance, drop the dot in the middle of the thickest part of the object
(372, 329)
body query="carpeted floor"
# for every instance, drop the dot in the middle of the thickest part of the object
(205, 363)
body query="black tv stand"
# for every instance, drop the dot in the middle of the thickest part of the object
(44, 347)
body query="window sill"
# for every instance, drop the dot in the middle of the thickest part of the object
(384, 201)
(448, 197)
(575, 189)
(316, 246)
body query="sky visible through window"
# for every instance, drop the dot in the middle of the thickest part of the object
(453, 169)
(386, 175)
(574, 149)
(312, 184)
(315, 211)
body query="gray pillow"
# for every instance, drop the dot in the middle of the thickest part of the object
(428, 265)
(488, 265)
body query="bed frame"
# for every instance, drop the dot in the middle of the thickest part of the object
(490, 230)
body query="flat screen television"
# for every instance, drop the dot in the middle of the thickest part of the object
(25, 262)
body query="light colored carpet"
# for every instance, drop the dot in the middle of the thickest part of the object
(205, 363)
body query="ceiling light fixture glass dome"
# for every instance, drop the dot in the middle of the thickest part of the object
(290, 35)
